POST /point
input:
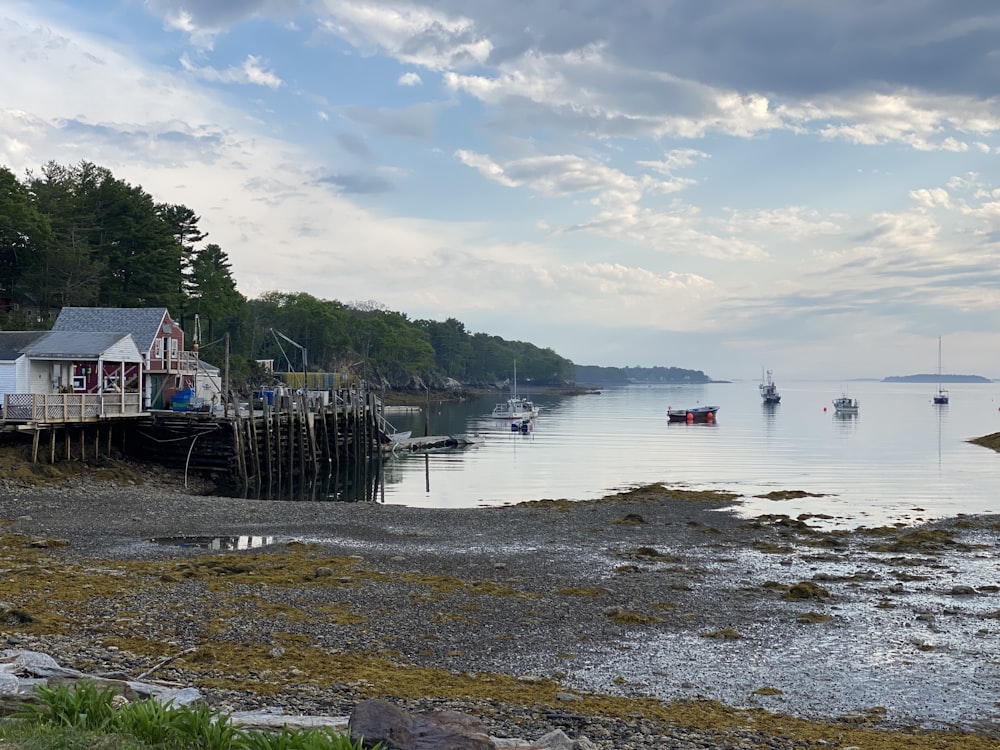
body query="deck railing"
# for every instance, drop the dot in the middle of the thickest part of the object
(69, 407)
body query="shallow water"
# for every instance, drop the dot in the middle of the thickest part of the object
(900, 459)
(915, 653)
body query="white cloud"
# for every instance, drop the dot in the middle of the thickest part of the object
(412, 34)
(251, 72)
(931, 197)
(409, 79)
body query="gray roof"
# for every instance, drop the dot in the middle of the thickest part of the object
(12, 343)
(142, 322)
(75, 345)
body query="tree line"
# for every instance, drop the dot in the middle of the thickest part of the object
(79, 236)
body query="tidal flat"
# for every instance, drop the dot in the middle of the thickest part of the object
(650, 615)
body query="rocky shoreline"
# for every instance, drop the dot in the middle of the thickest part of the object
(648, 619)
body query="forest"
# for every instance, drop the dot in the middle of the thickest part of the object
(78, 236)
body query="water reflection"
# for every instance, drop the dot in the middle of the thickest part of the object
(215, 542)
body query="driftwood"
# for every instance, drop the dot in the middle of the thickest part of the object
(165, 662)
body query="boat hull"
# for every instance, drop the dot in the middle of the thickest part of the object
(697, 414)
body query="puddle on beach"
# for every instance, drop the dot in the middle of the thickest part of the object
(215, 542)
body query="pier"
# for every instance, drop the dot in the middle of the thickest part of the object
(260, 448)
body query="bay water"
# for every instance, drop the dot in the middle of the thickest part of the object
(901, 459)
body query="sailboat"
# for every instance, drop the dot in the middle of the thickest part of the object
(941, 397)
(515, 407)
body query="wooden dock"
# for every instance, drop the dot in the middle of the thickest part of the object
(267, 451)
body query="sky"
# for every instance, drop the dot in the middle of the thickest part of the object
(728, 186)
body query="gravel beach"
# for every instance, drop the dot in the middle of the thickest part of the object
(651, 618)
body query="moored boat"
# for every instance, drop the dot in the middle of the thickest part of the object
(844, 404)
(768, 390)
(693, 414)
(516, 407)
(941, 397)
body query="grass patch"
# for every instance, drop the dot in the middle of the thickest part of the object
(627, 617)
(725, 634)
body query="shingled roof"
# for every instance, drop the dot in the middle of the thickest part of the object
(13, 343)
(81, 345)
(142, 322)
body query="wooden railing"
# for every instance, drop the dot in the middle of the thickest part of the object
(69, 407)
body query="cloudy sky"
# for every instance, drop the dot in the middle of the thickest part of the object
(810, 187)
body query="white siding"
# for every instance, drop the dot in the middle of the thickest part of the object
(40, 376)
(8, 378)
(124, 350)
(22, 378)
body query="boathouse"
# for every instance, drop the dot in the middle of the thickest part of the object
(168, 368)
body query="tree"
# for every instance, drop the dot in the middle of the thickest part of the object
(183, 224)
(24, 233)
(212, 288)
(65, 271)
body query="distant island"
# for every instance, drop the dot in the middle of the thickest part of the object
(924, 378)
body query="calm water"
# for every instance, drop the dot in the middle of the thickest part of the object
(900, 459)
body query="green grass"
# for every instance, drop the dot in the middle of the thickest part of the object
(85, 718)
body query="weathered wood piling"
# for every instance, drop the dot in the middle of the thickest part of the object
(267, 450)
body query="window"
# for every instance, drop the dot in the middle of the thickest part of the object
(158, 348)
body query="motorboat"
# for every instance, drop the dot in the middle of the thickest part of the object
(768, 390)
(693, 414)
(846, 405)
(516, 408)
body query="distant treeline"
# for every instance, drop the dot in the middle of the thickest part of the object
(925, 378)
(593, 375)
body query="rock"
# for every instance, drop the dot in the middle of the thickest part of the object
(961, 590)
(557, 740)
(376, 720)
(47, 543)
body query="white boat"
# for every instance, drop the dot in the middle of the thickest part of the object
(516, 407)
(846, 405)
(768, 390)
(941, 397)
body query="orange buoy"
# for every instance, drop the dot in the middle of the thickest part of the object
(690, 417)
(711, 417)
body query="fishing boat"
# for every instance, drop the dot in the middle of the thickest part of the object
(941, 397)
(768, 390)
(845, 405)
(516, 407)
(694, 414)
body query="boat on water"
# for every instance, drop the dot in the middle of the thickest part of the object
(845, 405)
(516, 407)
(768, 390)
(941, 397)
(693, 414)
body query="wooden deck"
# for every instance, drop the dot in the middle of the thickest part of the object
(65, 408)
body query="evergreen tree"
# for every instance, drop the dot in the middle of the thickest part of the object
(212, 289)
